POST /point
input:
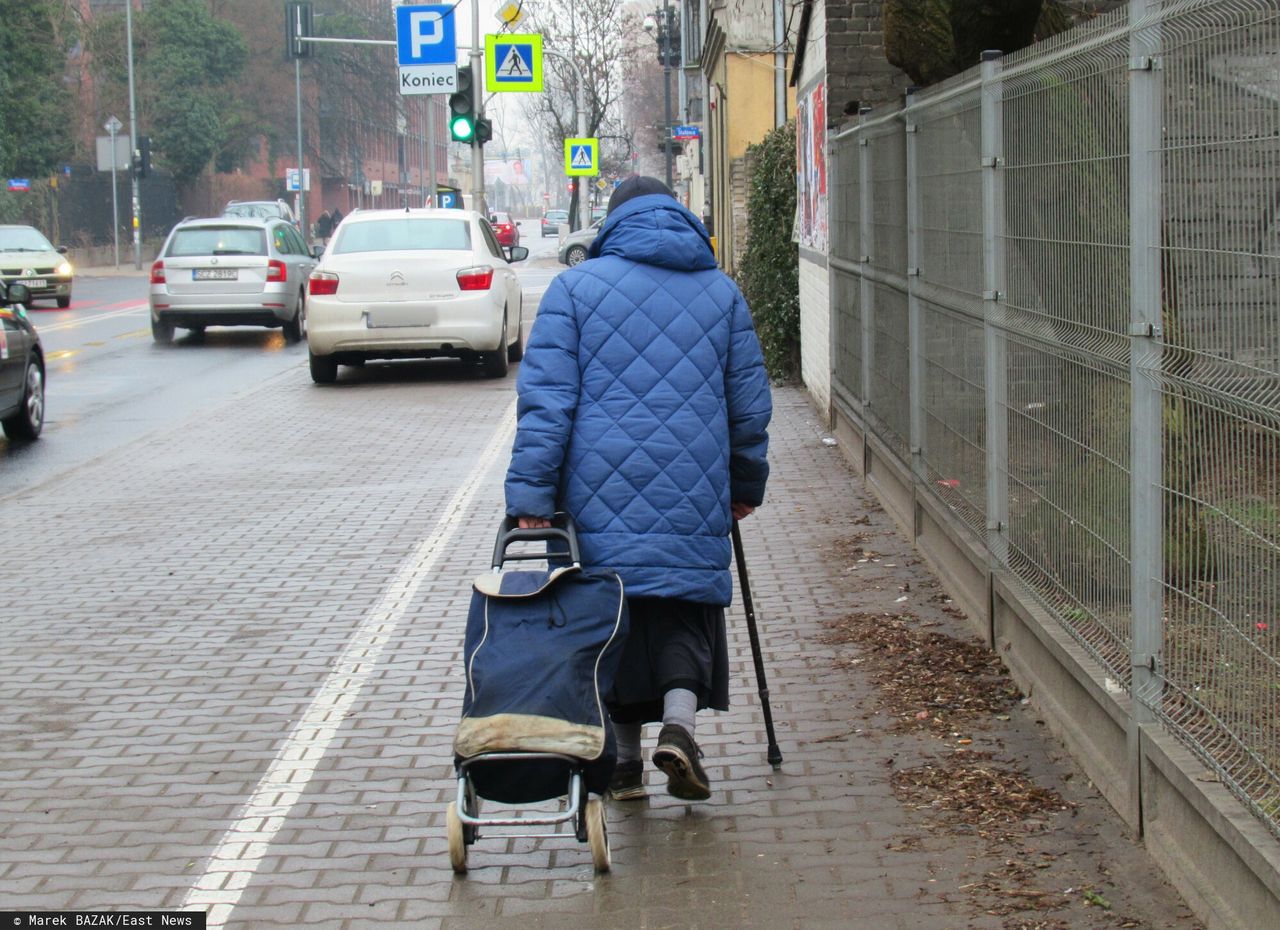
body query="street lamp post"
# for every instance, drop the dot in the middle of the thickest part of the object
(133, 138)
(663, 39)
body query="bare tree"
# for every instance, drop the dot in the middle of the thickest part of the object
(592, 33)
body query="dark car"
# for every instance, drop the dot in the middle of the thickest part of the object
(552, 220)
(505, 228)
(21, 366)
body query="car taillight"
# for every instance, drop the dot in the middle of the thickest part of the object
(157, 272)
(475, 279)
(276, 270)
(323, 283)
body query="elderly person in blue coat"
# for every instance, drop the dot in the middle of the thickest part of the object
(643, 412)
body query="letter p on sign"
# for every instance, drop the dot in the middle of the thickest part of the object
(425, 28)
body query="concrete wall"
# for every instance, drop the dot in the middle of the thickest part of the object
(815, 327)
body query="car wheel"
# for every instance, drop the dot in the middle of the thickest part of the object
(64, 302)
(161, 331)
(515, 351)
(295, 330)
(29, 420)
(495, 362)
(324, 368)
(576, 255)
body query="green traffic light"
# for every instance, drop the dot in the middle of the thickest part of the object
(462, 128)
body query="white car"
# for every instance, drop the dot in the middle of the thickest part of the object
(414, 284)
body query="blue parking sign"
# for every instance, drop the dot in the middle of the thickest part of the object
(426, 35)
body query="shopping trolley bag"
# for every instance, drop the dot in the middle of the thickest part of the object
(541, 651)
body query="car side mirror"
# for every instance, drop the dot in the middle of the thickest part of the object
(517, 253)
(16, 294)
(62, 250)
(317, 251)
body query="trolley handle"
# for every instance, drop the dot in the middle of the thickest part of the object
(561, 529)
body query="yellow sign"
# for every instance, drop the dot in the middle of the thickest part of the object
(581, 157)
(512, 13)
(513, 63)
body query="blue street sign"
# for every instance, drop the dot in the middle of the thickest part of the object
(19, 184)
(685, 132)
(516, 66)
(448, 199)
(425, 35)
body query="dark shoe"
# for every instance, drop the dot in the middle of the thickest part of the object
(627, 783)
(677, 755)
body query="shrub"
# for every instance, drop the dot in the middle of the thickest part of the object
(770, 271)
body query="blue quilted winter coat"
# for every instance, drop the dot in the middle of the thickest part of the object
(644, 404)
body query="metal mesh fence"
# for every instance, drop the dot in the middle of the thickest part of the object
(1066, 237)
(889, 400)
(1219, 379)
(953, 402)
(1131, 163)
(846, 318)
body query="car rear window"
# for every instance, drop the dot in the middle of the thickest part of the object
(217, 240)
(261, 211)
(402, 235)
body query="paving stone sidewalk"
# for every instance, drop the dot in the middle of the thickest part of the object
(147, 706)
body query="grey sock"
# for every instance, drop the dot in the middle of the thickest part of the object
(679, 705)
(628, 737)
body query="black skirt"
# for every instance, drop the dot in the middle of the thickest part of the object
(672, 644)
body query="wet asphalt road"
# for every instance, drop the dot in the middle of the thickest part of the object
(109, 384)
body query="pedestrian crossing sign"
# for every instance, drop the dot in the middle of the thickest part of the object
(513, 63)
(581, 157)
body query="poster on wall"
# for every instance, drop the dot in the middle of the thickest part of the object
(811, 169)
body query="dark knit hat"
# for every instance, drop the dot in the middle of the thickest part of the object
(637, 186)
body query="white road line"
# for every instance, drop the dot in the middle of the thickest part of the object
(72, 324)
(243, 846)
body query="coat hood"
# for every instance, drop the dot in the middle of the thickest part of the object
(654, 229)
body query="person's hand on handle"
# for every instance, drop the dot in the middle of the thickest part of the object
(534, 523)
(740, 510)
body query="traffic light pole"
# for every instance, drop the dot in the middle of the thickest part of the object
(302, 187)
(580, 120)
(133, 141)
(477, 95)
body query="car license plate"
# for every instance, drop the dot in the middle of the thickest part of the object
(215, 274)
(412, 315)
(32, 282)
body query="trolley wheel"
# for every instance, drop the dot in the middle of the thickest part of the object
(457, 842)
(598, 835)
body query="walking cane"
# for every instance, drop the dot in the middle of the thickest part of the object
(775, 754)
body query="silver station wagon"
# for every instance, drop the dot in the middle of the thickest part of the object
(231, 271)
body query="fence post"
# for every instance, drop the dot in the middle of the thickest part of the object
(995, 363)
(1146, 433)
(864, 258)
(915, 323)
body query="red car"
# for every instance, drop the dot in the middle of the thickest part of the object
(505, 228)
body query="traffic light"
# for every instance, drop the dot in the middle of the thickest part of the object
(142, 157)
(298, 21)
(462, 116)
